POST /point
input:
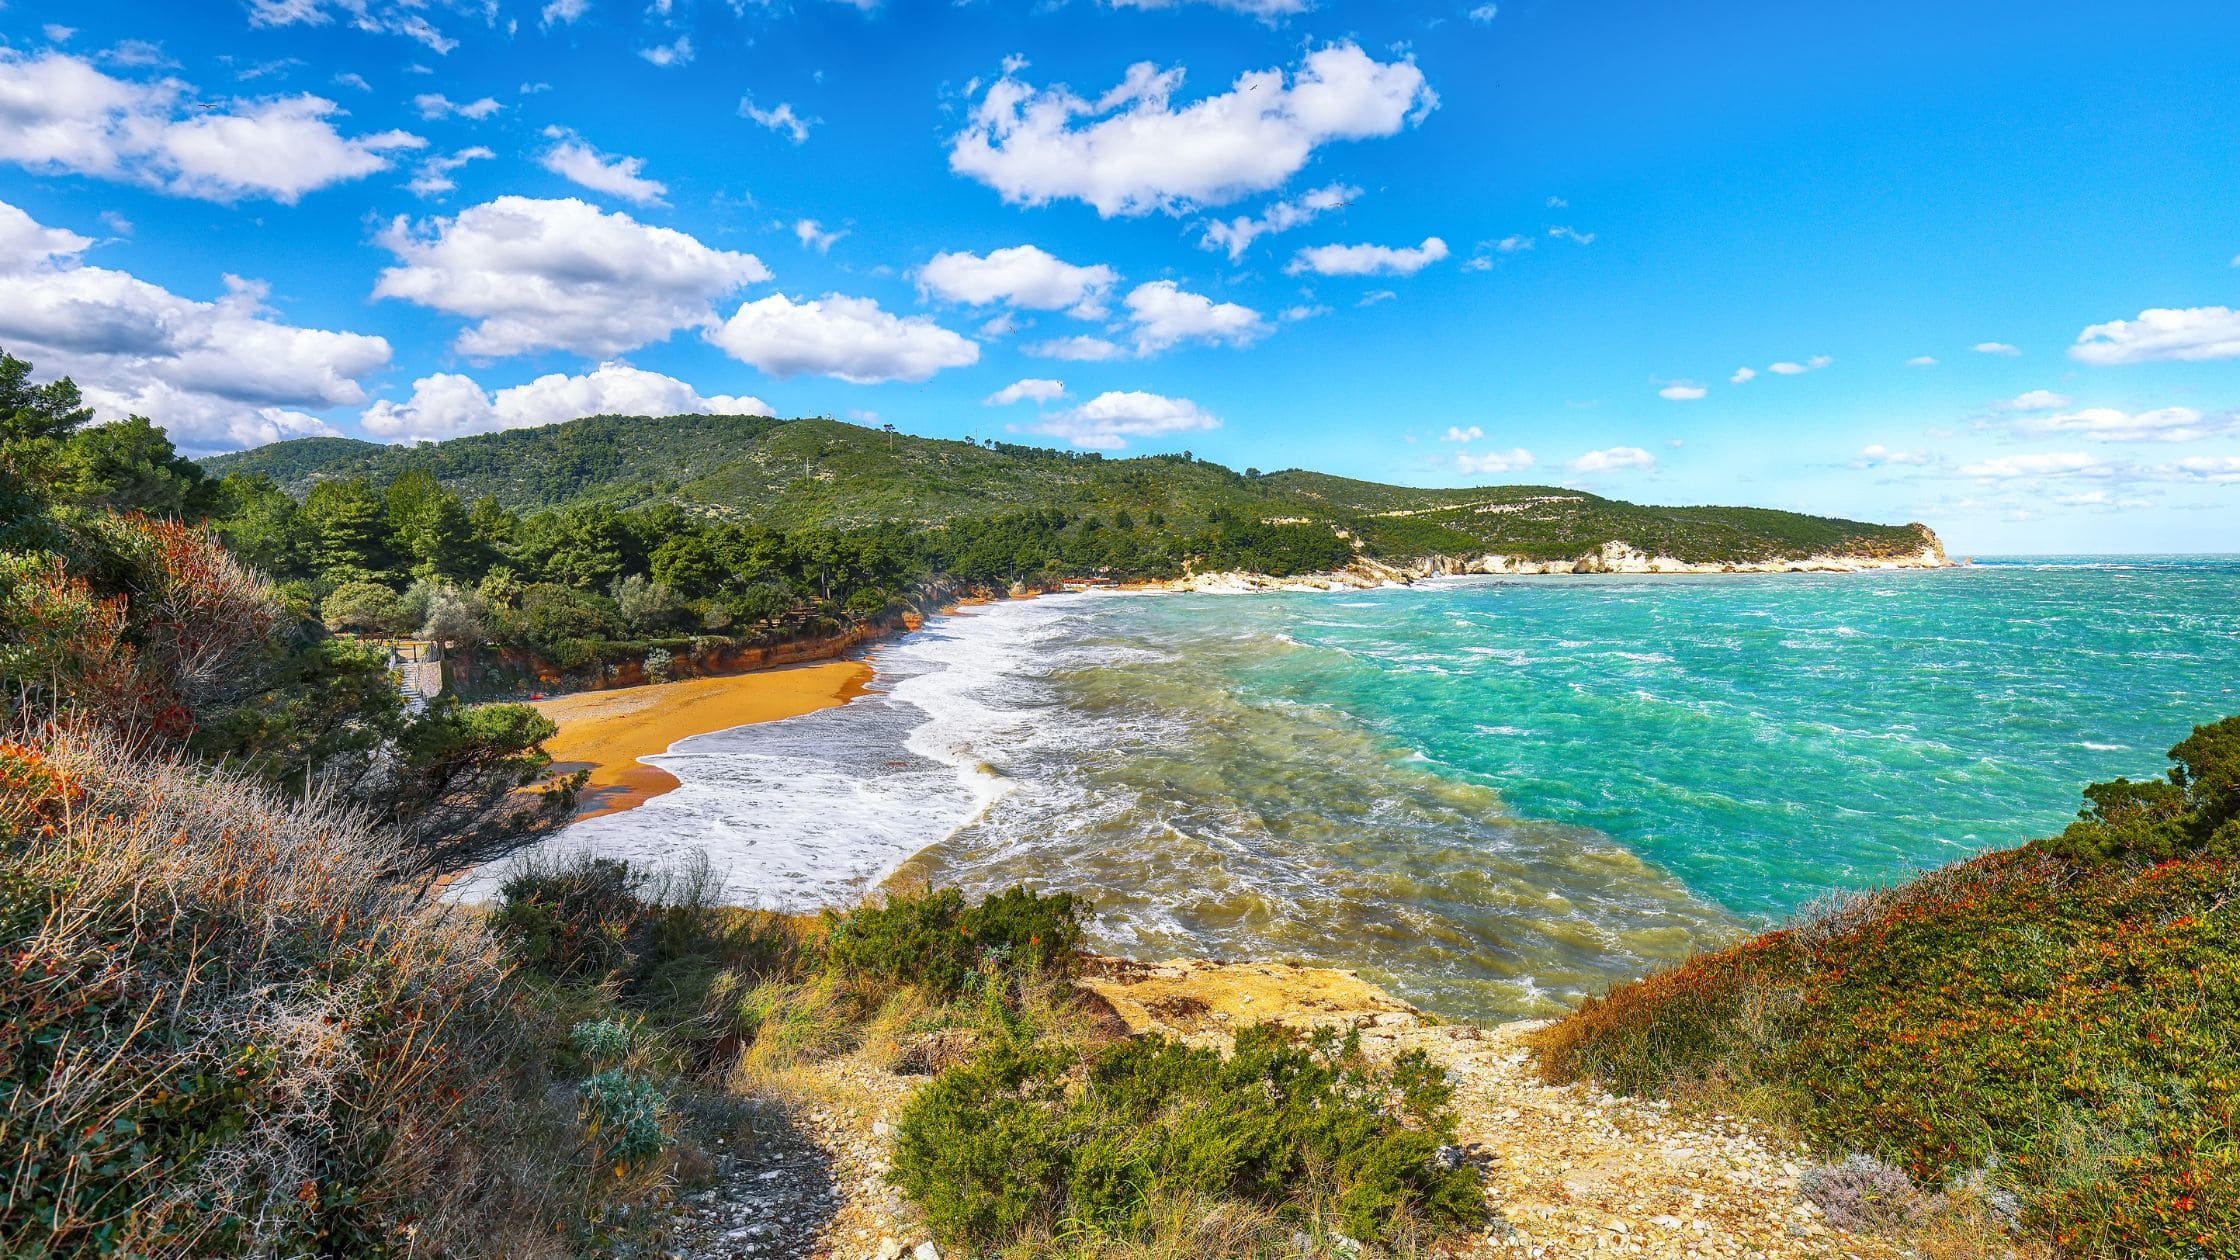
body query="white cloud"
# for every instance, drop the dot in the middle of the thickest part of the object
(1022, 276)
(1492, 463)
(559, 274)
(2216, 469)
(353, 80)
(1484, 13)
(447, 405)
(1574, 235)
(1075, 349)
(1037, 388)
(1237, 234)
(782, 119)
(2107, 424)
(1456, 433)
(435, 105)
(217, 374)
(2193, 335)
(1922, 360)
(563, 12)
(1165, 315)
(1367, 260)
(1683, 391)
(1130, 153)
(433, 177)
(58, 33)
(1813, 364)
(1107, 421)
(848, 338)
(1512, 244)
(1558, 203)
(1743, 376)
(2035, 400)
(1374, 296)
(58, 113)
(2023, 467)
(665, 55)
(812, 235)
(1613, 459)
(395, 18)
(578, 163)
(1293, 314)
(2000, 348)
(1265, 10)
(1878, 455)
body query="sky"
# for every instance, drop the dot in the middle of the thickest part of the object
(1970, 264)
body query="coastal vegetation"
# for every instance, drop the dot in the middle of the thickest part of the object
(2053, 1023)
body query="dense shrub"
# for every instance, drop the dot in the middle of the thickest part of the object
(935, 940)
(2063, 1021)
(570, 920)
(223, 1033)
(2194, 811)
(1024, 1139)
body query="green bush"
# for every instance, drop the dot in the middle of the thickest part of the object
(2195, 811)
(936, 941)
(626, 1117)
(1009, 1143)
(570, 921)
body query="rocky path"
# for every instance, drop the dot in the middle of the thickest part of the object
(1570, 1170)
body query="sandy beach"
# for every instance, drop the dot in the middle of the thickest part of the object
(607, 732)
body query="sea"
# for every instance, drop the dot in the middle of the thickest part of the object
(1496, 796)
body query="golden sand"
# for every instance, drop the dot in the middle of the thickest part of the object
(606, 732)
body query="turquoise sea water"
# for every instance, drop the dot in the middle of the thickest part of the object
(1495, 795)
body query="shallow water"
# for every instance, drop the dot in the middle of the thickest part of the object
(1494, 795)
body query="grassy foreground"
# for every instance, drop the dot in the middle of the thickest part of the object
(2056, 1027)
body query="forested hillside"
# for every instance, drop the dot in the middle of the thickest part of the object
(797, 473)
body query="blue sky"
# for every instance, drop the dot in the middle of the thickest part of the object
(1969, 264)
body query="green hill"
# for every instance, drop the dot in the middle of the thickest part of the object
(790, 474)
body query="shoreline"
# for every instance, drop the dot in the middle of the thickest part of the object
(609, 732)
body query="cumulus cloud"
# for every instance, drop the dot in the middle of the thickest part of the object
(217, 374)
(849, 338)
(1034, 388)
(666, 55)
(1107, 421)
(1922, 360)
(1743, 376)
(559, 274)
(2025, 467)
(433, 176)
(2035, 400)
(2191, 335)
(435, 105)
(1164, 315)
(447, 405)
(563, 12)
(813, 235)
(1999, 348)
(578, 163)
(781, 119)
(1367, 260)
(1878, 455)
(59, 113)
(2107, 424)
(1683, 391)
(1130, 152)
(1492, 463)
(2215, 469)
(1021, 276)
(1573, 235)
(1075, 349)
(1456, 433)
(1484, 13)
(1238, 233)
(1788, 368)
(1613, 459)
